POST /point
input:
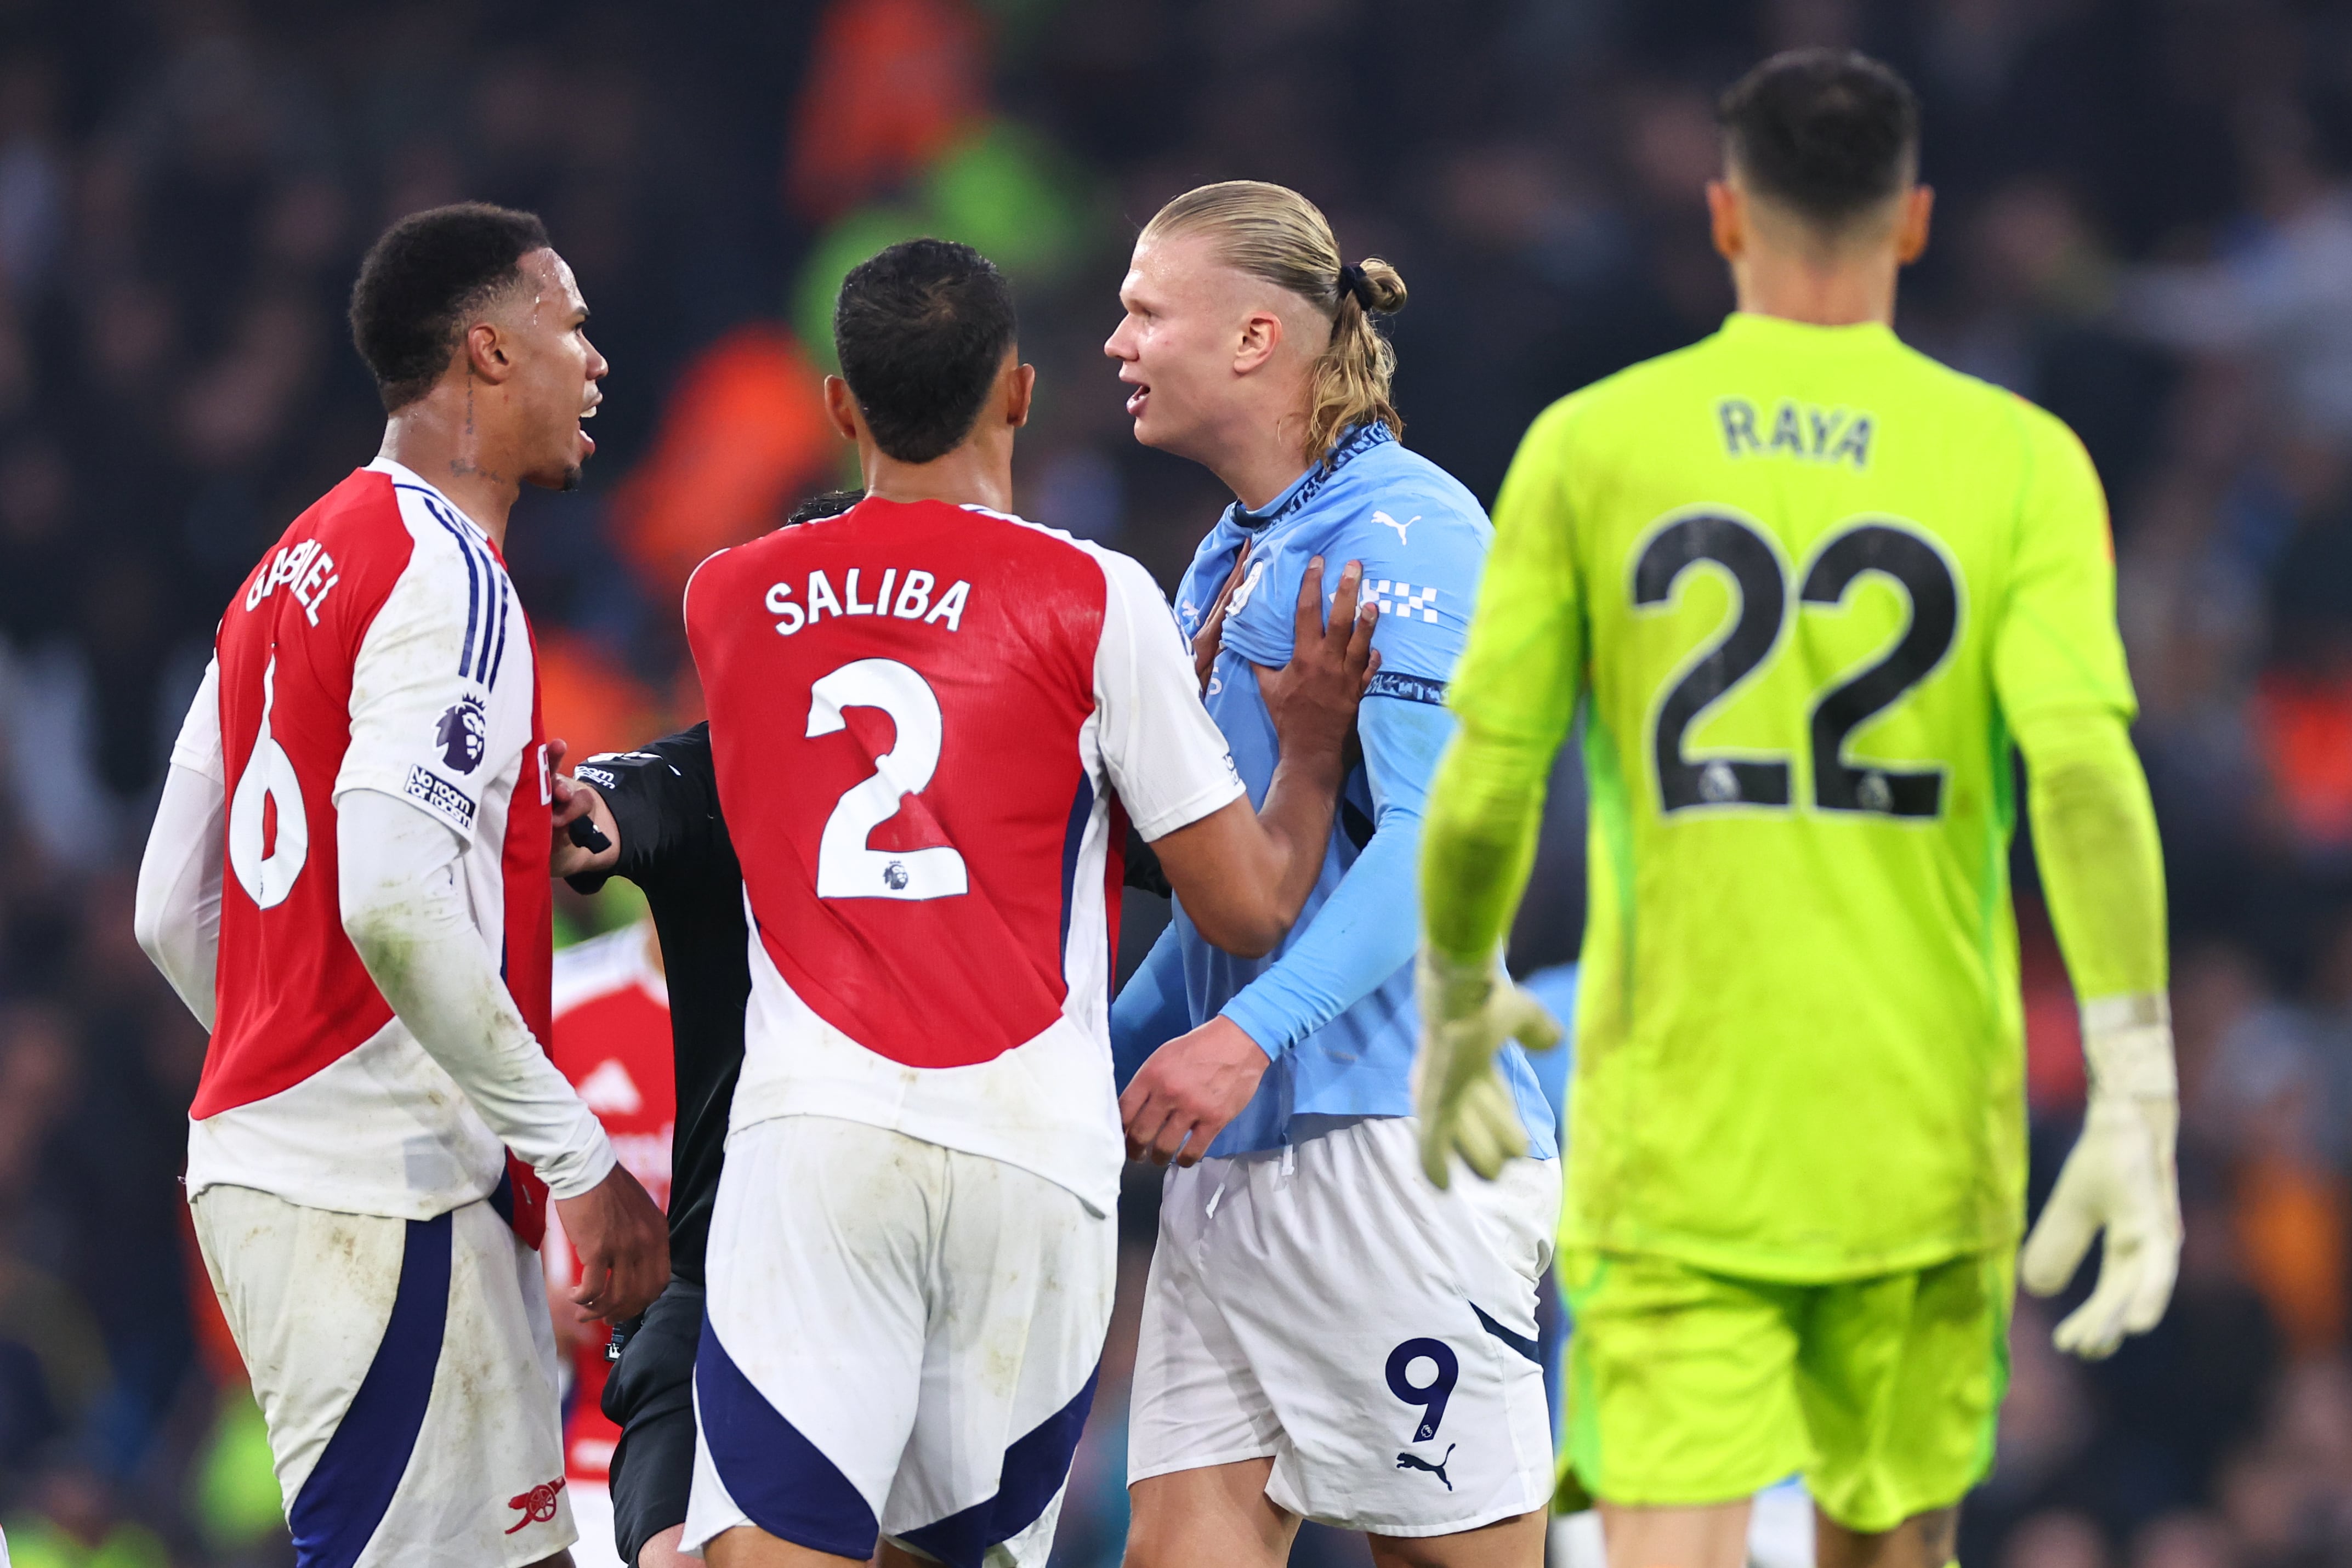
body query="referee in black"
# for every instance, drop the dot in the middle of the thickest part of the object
(651, 816)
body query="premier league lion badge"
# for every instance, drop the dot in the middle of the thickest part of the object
(463, 733)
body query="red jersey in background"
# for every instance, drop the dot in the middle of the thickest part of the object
(612, 1040)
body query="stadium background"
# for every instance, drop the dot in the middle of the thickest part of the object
(2143, 223)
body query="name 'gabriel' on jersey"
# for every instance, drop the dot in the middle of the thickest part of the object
(379, 645)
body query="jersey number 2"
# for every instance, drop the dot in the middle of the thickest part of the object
(846, 868)
(1902, 556)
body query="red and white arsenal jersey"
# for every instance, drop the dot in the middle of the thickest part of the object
(613, 1041)
(377, 645)
(931, 724)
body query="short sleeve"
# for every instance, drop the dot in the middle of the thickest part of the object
(1164, 754)
(422, 714)
(2056, 644)
(1523, 662)
(198, 746)
(1422, 568)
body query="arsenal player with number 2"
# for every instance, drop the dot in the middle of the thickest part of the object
(932, 724)
(365, 756)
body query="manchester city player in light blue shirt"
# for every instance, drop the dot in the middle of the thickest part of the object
(1324, 1334)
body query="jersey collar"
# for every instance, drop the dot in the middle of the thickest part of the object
(1358, 441)
(401, 474)
(1748, 326)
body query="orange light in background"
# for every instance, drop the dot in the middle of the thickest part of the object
(743, 435)
(2304, 727)
(2290, 1220)
(891, 83)
(589, 703)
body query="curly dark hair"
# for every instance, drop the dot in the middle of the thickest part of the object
(420, 281)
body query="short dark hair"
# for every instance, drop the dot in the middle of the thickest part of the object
(1831, 132)
(921, 329)
(422, 278)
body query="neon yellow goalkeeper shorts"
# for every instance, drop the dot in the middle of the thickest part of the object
(1686, 1388)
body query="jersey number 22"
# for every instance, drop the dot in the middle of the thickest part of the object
(1879, 546)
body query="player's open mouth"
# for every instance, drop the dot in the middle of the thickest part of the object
(1136, 400)
(585, 415)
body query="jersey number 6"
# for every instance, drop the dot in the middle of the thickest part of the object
(846, 868)
(1903, 557)
(266, 862)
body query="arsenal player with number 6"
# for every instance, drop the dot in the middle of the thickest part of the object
(365, 756)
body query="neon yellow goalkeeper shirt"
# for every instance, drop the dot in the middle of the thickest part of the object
(1809, 583)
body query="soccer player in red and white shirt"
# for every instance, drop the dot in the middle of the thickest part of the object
(347, 881)
(612, 1040)
(932, 724)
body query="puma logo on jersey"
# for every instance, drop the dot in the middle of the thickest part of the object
(1814, 434)
(1415, 1462)
(1385, 520)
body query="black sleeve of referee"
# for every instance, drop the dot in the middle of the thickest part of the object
(1143, 872)
(663, 797)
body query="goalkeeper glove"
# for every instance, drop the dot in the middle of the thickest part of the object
(2120, 1177)
(1466, 1013)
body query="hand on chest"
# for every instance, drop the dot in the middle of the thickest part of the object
(1259, 617)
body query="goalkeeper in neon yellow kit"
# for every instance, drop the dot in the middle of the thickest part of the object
(1811, 587)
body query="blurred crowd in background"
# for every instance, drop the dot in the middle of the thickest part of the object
(2143, 221)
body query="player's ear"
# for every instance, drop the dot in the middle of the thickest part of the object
(1726, 219)
(486, 352)
(1020, 389)
(1261, 335)
(841, 408)
(1911, 227)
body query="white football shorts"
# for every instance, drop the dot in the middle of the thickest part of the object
(1325, 1306)
(900, 1340)
(406, 1372)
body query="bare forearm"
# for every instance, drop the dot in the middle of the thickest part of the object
(1296, 817)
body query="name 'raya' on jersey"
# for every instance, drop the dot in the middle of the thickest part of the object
(930, 726)
(1811, 584)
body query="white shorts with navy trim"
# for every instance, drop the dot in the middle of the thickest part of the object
(1326, 1306)
(901, 1340)
(406, 1372)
